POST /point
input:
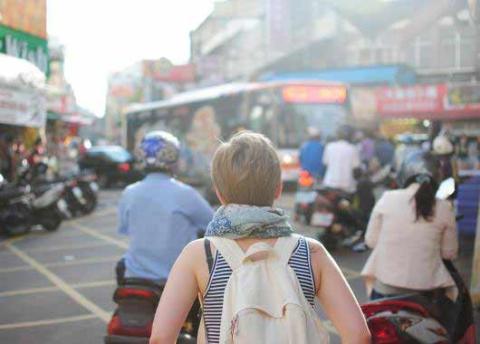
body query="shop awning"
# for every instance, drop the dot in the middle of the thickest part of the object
(22, 95)
(371, 75)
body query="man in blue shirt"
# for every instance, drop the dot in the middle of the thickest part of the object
(160, 214)
(311, 154)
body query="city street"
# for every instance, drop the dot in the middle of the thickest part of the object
(57, 287)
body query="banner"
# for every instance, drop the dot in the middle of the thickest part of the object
(23, 108)
(441, 101)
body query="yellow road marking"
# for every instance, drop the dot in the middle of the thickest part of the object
(27, 291)
(103, 237)
(349, 273)
(83, 261)
(66, 247)
(61, 284)
(46, 322)
(96, 284)
(16, 268)
(102, 213)
(65, 263)
(87, 285)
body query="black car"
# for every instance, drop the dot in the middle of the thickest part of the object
(112, 164)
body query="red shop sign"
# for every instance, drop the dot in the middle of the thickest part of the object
(412, 101)
(442, 101)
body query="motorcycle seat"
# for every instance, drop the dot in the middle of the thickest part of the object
(9, 192)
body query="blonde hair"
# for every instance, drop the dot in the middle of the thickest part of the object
(246, 170)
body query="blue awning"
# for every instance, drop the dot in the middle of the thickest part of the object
(370, 75)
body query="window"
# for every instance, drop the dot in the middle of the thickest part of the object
(448, 51)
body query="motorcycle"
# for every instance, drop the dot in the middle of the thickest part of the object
(48, 205)
(335, 213)
(137, 300)
(87, 182)
(424, 317)
(305, 197)
(15, 209)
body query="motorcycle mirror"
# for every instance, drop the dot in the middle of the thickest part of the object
(446, 189)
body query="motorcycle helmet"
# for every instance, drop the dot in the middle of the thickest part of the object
(159, 150)
(420, 165)
(442, 145)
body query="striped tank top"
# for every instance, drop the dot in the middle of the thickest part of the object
(213, 301)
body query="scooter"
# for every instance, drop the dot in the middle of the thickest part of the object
(424, 317)
(137, 300)
(87, 182)
(48, 206)
(334, 212)
(15, 209)
(305, 197)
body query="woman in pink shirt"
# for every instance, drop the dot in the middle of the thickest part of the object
(410, 232)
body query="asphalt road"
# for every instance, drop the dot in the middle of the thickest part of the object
(57, 287)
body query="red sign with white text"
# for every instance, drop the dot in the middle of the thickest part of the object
(311, 94)
(440, 101)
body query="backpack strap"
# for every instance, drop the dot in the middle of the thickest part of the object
(230, 251)
(208, 254)
(285, 246)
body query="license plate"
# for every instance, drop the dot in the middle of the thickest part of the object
(322, 219)
(62, 205)
(305, 197)
(77, 192)
(94, 186)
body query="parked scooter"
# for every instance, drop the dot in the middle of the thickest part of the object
(137, 300)
(424, 317)
(48, 206)
(15, 209)
(87, 182)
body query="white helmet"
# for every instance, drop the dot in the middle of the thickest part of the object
(442, 145)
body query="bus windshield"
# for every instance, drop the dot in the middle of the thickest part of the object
(295, 120)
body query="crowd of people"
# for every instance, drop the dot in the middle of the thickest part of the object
(61, 156)
(250, 258)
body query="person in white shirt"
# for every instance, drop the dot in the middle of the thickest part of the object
(341, 158)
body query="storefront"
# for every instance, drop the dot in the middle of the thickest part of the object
(22, 99)
(456, 107)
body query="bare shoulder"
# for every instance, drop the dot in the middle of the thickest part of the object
(316, 248)
(194, 249)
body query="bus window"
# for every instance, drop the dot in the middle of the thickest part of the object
(295, 119)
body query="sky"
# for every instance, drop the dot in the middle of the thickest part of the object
(103, 36)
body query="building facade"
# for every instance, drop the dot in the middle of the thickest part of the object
(144, 81)
(246, 39)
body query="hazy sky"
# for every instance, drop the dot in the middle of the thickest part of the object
(101, 36)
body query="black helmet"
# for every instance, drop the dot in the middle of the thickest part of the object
(418, 164)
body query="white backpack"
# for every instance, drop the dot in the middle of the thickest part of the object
(263, 301)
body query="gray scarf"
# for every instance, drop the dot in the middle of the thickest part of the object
(235, 221)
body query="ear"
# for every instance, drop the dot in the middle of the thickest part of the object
(278, 191)
(220, 198)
